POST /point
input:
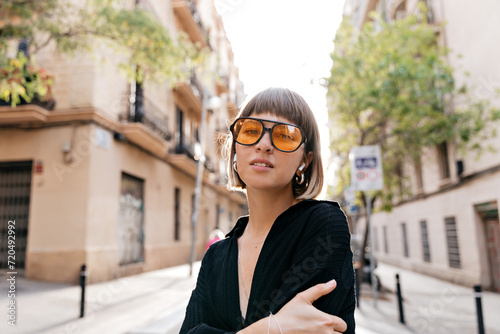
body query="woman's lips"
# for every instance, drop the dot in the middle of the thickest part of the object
(261, 164)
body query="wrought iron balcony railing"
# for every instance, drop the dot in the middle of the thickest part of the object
(144, 111)
(185, 146)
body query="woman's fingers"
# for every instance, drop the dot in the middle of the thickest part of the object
(336, 323)
(300, 316)
(339, 325)
(319, 290)
(315, 292)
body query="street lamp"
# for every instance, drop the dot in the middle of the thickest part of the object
(207, 104)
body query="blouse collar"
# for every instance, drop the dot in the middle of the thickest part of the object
(242, 222)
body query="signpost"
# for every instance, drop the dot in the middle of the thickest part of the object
(352, 209)
(366, 175)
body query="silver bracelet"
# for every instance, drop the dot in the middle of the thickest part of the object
(269, 323)
(277, 322)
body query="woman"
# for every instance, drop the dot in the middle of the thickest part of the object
(287, 267)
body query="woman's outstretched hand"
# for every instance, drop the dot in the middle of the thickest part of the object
(300, 316)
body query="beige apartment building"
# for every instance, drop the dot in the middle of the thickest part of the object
(450, 227)
(91, 183)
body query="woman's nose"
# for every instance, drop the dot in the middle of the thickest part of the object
(265, 142)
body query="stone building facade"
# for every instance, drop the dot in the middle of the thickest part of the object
(88, 183)
(450, 227)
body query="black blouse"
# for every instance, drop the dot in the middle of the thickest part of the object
(309, 243)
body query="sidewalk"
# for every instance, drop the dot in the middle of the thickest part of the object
(155, 302)
(117, 306)
(430, 305)
(381, 319)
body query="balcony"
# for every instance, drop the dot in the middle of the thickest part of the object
(186, 147)
(188, 19)
(209, 165)
(33, 116)
(145, 125)
(183, 156)
(150, 116)
(188, 96)
(27, 115)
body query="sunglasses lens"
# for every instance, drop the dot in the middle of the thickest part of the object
(287, 137)
(247, 131)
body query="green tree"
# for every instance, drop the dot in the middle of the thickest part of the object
(147, 50)
(391, 86)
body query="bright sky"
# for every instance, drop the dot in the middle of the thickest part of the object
(284, 43)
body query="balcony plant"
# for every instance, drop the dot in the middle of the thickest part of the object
(22, 81)
(146, 51)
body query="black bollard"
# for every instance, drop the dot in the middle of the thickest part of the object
(400, 301)
(358, 286)
(479, 308)
(83, 278)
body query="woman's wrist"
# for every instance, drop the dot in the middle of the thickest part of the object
(265, 325)
(273, 317)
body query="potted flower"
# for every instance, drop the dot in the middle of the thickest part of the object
(22, 82)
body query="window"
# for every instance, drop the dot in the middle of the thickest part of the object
(400, 174)
(452, 242)
(139, 102)
(177, 218)
(196, 133)
(443, 160)
(179, 133)
(386, 246)
(425, 241)
(15, 188)
(405, 240)
(130, 225)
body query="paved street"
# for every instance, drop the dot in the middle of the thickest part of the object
(154, 303)
(435, 306)
(118, 306)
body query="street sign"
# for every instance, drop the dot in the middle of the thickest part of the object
(366, 168)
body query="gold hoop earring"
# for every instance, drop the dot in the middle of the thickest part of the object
(235, 166)
(299, 178)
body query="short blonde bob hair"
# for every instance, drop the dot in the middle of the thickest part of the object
(284, 103)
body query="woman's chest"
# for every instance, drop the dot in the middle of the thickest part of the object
(248, 256)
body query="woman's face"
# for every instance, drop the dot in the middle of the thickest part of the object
(262, 167)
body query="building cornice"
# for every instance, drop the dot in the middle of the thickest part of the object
(463, 180)
(30, 116)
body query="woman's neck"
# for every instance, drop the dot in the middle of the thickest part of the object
(264, 208)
